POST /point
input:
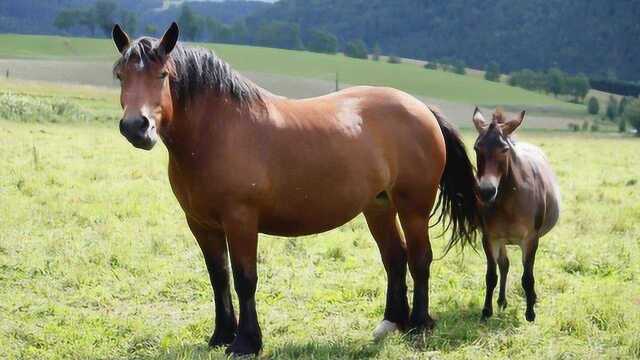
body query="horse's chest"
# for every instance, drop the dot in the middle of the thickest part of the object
(506, 225)
(198, 199)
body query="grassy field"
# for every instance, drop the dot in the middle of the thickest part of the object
(408, 77)
(96, 261)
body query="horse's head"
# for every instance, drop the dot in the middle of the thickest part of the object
(145, 95)
(492, 151)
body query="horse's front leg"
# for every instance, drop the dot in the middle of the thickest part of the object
(214, 248)
(241, 227)
(491, 278)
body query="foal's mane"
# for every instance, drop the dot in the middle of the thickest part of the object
(192, 70)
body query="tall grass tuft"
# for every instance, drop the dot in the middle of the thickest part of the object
(26, 108)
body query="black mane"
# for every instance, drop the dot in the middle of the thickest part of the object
(194, 69)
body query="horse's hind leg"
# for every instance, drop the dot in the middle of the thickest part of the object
(529, 248)
(491, 278)
(503, 264)
(414, 209)
(381, 219)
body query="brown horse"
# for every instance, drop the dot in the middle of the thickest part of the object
(520, 202)
(243, 161)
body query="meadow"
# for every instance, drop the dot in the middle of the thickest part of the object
(299, 64)
(97, 262)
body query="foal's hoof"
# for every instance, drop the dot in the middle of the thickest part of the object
(530, 315)
(383, 329)
(244, 346)
(220, 338)
(502, 303)
(486, 314)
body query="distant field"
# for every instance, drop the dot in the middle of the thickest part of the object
(408, 77)
(96, 262)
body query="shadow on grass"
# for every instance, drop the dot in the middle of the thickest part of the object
(458, 327)
(455, 328)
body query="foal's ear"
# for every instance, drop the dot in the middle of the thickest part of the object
(169, 40)
(510, 126)
(120, 38)
(479, 121)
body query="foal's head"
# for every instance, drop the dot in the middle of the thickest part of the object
(493, 148)
(145, 96)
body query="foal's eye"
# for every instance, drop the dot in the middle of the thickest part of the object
(163, 75)
(119, 77)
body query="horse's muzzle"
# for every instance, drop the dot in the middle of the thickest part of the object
(488, 192)
(139, 131)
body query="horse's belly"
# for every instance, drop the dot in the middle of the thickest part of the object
(316, 211)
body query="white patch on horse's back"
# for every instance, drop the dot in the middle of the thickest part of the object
(383, 329)
(349, 118)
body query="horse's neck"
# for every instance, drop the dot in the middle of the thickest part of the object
(198, 124)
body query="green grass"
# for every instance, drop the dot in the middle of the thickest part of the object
(96, 262)
(408, 77)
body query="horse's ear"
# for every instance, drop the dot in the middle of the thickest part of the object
(120, 38)
(479, 121)
(169, 40)
(510, 126)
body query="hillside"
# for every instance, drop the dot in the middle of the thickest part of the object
(598, 38)
(301, 64)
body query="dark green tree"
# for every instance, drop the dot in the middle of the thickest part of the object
(593, 107)
(612, 108)
(632, 114)
(492, 72)
(190, 23)
(375, 56)
(459, 67)
(67, 19)
(322, 41)
(356, 49)
(104, 15)
(623, 103)
(556, 81)
(240, 32)
(129, 21)
(281, 35)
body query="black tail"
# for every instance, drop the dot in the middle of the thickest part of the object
(458, 189)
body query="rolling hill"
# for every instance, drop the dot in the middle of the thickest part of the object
(300, 64)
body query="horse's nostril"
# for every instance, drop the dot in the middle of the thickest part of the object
(144, 124)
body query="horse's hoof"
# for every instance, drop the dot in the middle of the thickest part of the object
(486, 314)
(502, 303)
(425, 325)
(530, 315)
(383, 329)
(220, 338)
(244, 346)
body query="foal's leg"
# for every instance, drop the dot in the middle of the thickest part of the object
(503, 264)
(381, 219)
(491, 278)
(413, 218)
(214, 248)
(529, 248)
(241, 228)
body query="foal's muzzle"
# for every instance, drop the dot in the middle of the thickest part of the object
(140, 131)
(488, 192)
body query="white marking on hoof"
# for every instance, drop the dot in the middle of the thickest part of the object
(383, 329)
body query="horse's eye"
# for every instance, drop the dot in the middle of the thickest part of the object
(504, 150)
(119, 77)
(163, 74)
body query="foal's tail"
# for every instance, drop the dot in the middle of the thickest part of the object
(458, 189)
